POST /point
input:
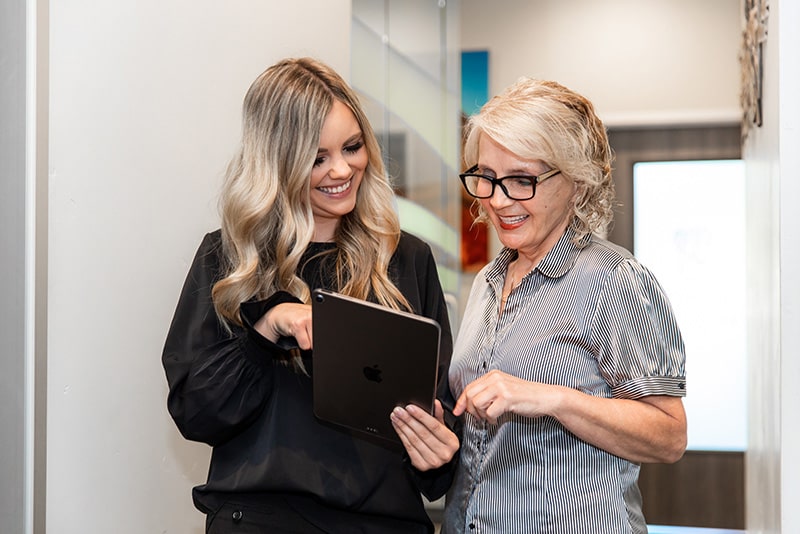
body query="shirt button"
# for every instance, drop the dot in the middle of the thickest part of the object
(472, 526)
(237, 516)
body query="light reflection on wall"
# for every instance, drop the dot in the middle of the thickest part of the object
(689, 229)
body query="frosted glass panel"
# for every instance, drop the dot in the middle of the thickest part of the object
(689, 229)
(405, 67)
(416, 98)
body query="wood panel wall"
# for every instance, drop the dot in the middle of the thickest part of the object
(703, 489)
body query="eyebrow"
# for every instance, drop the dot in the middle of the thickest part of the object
(517, 171)
(355, 137)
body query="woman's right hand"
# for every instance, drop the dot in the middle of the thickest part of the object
(287, 320)
(429, 442)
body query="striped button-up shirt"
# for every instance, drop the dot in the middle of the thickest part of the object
(590, 318)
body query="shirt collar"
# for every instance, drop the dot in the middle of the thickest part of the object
(555, 264)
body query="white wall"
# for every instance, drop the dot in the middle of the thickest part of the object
(13, 218)
(666, 62)
(787, 13)
(773, 242)
(654, 62)
(145, 99)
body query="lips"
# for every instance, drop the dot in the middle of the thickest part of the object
(511, 222)
(336, 190)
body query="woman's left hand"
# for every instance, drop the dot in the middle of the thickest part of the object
(428, 441)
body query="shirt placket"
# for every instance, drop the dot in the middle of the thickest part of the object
(481, 440)
(498, 330)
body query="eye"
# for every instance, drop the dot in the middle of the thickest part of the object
(520, 181)
(319, 161)
(355, 147)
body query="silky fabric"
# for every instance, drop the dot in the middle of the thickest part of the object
(588, 317)
(234, 391)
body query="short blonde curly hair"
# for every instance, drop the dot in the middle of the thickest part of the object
(543, 120)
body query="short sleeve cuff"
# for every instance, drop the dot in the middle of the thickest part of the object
(671, 386)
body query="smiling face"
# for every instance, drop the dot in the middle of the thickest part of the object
(533, 226)
(338, 170)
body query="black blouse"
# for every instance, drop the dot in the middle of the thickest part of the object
(230, 390)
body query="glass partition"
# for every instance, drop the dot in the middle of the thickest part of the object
(405, 65)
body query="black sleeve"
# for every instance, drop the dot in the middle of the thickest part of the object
(219, 379)
(422, 287)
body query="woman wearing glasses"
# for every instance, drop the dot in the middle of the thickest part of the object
(569, 365)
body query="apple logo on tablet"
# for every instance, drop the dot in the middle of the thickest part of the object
(373, 373)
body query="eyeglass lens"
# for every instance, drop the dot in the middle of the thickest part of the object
(515, 187)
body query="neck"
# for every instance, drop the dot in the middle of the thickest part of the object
(520, 267)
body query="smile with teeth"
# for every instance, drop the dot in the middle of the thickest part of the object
(338, 189)
(510, 221)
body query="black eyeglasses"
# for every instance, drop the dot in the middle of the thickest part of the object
(515, 187)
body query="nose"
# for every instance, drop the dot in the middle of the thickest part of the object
(499, 198)
(340, 169)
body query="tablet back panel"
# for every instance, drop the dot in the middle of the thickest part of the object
(367, 359)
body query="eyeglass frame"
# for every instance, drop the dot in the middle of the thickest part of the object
(535, 180)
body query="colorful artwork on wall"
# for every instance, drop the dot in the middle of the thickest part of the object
(474, 80)
(474, 94)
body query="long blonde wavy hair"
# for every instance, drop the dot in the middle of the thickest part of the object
(267, 221)
(543, 120)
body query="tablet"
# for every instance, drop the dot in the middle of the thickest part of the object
(369, 358)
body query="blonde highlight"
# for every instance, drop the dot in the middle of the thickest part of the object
(267, 221)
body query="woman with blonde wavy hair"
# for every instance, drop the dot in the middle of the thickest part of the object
(306, 203)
